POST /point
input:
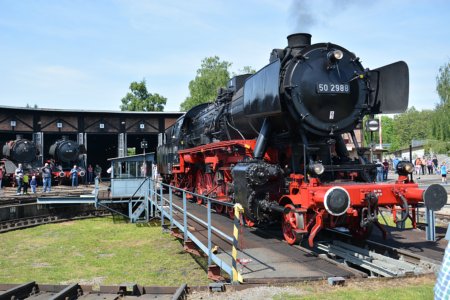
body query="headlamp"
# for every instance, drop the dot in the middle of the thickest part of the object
(317, 169)
(405, 168)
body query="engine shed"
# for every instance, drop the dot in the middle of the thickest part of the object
(104, 134)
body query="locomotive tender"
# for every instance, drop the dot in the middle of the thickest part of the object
(273, 142)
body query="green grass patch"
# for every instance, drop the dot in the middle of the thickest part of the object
(98, 252)
(387, 220)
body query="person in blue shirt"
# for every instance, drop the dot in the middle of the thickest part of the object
(74, 176)
(33, 184)
(380, 170)
(395, 163)
(444, 173)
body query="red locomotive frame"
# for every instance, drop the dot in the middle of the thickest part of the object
(206, 170)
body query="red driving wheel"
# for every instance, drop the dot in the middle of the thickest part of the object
(289, 224)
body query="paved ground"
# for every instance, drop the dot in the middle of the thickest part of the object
(262, 254)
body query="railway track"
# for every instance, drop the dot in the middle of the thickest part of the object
(374, 258)
(32, 290)
(43, 216)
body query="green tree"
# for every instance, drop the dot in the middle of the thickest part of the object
(443, 83)
(245, 70)
(212, 75)
(411, 125)
(387, 129)
(441, 117)
(139, 99)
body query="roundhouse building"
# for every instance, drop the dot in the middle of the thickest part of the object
(104, 134)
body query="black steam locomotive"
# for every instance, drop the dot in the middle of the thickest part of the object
(273, 142)
(20, 150)
(66, 153)
(65, 150)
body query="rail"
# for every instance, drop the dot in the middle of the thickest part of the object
(158, 205)
(33, 290)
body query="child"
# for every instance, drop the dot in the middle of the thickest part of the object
(33, 184)
(25, 183)
(444, 173)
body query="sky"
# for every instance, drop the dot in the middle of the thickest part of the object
(83, 54)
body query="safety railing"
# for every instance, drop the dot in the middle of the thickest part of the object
(159, 203)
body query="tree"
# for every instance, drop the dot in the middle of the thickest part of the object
(212, 75)
(141, 100)
(387, 129)
(443, 83)
(245, 70)
(441, 117)
(411, 125)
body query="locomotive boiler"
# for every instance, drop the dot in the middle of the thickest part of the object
(66, 153)
(273, 142)
(20, 150)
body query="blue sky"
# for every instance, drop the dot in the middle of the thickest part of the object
(82, 54)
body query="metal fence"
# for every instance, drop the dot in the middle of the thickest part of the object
(163, 206)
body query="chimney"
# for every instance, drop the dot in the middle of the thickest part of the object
(299, 40)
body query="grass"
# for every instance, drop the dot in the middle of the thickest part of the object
(399, 289)
(390, 221)
(98, 252)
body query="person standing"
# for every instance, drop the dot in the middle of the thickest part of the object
(380, 169)
(417, 165)
(74, 176)
(430, 166)
(395, 163)
(385, 169)
(1, 177)
(19, 179)
(33, 184)
(47, 178)
(444, 173)
(26, 181)
(98, 172)
(90, 173)
(436, 165)
(423, 163)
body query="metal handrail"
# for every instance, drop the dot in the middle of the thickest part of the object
(154, 196)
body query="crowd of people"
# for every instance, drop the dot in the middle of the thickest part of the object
(422, 166)
(430, 166)
(24, 179)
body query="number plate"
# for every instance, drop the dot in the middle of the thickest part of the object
(333, 88)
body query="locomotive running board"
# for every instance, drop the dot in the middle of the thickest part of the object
(376, 264)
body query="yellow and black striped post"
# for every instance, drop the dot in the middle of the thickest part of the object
(238, 209)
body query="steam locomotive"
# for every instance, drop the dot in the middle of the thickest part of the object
(20, 150)
(66, 153)
(272, 141)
